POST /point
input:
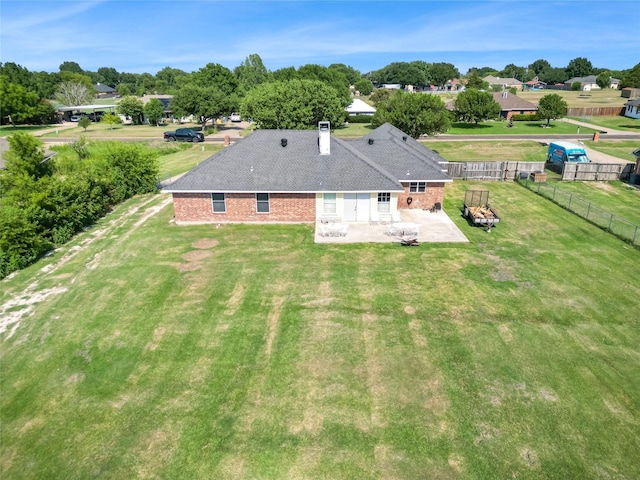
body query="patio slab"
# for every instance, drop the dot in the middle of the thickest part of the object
(435, 227)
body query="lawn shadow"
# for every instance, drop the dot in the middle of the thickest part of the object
(469, 126)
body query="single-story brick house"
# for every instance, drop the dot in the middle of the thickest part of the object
(284, 176)
(509, 105)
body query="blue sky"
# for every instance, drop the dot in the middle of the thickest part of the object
(145, 36)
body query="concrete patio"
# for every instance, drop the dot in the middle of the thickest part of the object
(435, 227)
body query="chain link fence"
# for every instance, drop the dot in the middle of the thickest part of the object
(618, 226)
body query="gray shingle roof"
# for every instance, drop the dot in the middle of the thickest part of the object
(403, 156)
(260, 163)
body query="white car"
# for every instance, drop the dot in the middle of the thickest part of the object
(235, 117)
(76, 118)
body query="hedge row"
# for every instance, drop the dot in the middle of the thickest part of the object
(45, 203)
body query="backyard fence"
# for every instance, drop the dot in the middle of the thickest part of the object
(594, 171)
(618, 226)
(492, 170)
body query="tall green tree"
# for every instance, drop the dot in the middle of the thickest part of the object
(473, 106)
(294, 104)
(364, 86)
(204, 103)
(631, 78)
(414, 114)
(18, 103)
(72, 67)
(539, 66)
(154, 111)
(331, 77)
(475, 81)
(215, 75)
(603, 80)
(403, 73)
(251, 73)
(579, 67)
(132, 107)
(552, 106)
(442, 72)
(352, 75)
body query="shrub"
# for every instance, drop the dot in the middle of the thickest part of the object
(524, 117)
(576, 86)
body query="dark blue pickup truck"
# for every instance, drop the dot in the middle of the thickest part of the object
(184, 135)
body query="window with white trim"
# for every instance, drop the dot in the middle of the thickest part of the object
(418, 187)
(384, 202)
(329, 203)
(218, 203)
(262, 202)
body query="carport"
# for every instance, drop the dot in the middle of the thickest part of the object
(67, 111)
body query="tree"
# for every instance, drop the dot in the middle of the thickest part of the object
(84, 122)
(554, 75)
(154, 110)
(333, 78)
(25, 157)
(109, 76)
(475, 106)
(603, 80)
(400, 72)
(415, 115)
(204, 103)
(539, 66)
(18, 104)
(72, 94)
(132, 107)
(552, 106)
(251, 73)
(579, 67)
(631, 78)
(350, 73)
(381, 95)
(111, 119)
(294, 104)
(364, 86)
(475, 81)
(513, 71)
(72, 67)
(215, 75)
(442, 72)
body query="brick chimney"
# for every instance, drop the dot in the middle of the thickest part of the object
(324, 138)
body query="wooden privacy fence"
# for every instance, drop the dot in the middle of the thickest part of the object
(594, 111)
(597, 171)
(492, 170)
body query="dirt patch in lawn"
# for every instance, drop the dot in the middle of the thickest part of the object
(196, 255)
(205, 243)
(156, 451)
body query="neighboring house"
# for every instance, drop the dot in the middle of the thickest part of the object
(632, 108)
(589, 83)
(105, 91)
(358, 107)
(283, 176)
(534, 84)
(165, 99)
(512, 104)
(504, 83)
(509, 105)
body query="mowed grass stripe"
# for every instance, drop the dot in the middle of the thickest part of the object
(248, 351)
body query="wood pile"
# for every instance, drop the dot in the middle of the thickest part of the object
(482, 212)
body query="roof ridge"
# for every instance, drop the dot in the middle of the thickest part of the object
(366, 159)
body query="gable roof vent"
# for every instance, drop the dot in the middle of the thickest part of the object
(283, 142)
(371, 141)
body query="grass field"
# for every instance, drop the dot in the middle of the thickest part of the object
(616, 122)
(6, 130)
(488, 151)
(617, 148)
(576, 99)
(143, 349)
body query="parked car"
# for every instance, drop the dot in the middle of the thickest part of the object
(184, 135)
(75, 118)
(235, 117)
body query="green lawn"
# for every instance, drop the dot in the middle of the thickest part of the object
(488, 151)
(6, 130)
(616, 197)
(617, 122)
(158, 351)
(519, 128)
(180, 162)
(617, 148)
